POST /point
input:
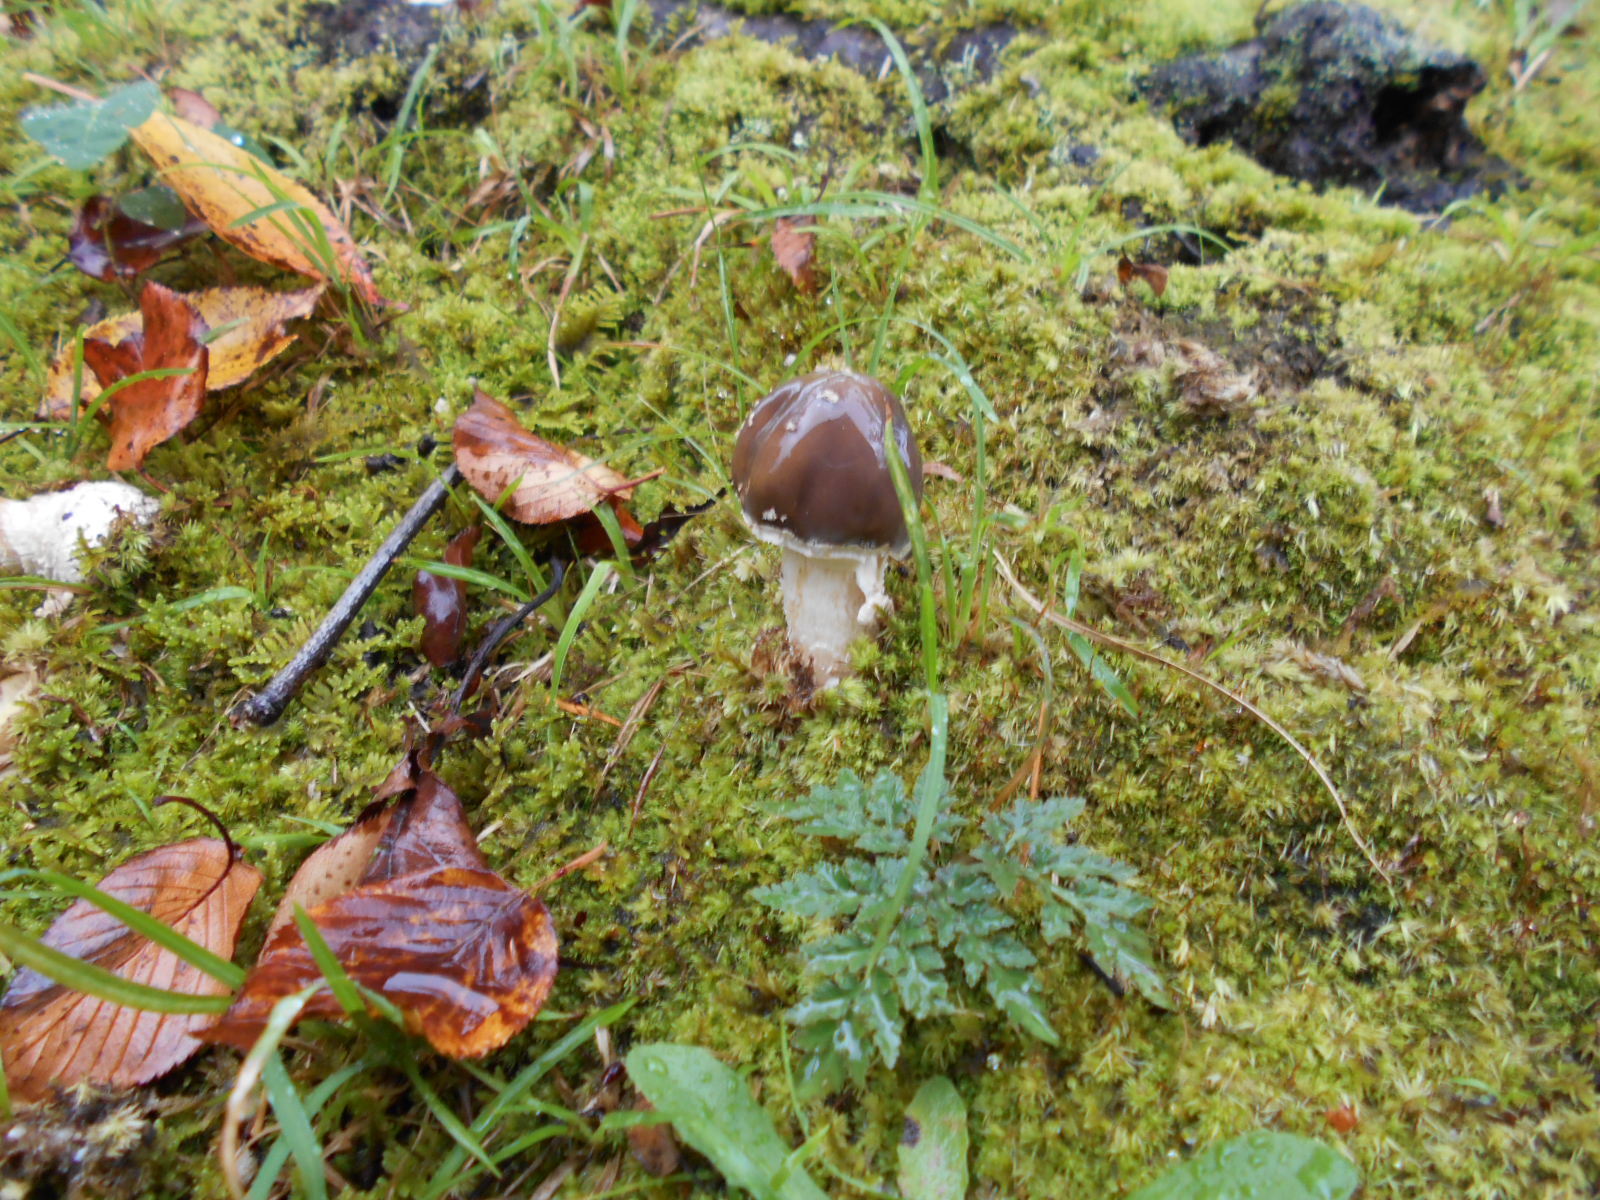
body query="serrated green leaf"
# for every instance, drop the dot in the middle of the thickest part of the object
(841, 955)
(918, 973)
(83, 132)
(933, 1148)
(1012, 992)
(880, 1010)
(1264, 1163)
(1123, 951)
(1030, 822)
(831, 890)
(711, 1108)
(157, 205)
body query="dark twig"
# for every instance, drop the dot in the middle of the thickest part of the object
(267, 705)
(491, 641)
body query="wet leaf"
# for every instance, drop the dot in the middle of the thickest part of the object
(933, 1146)
(1152, 273)
(246, 330)
(333, 868)
(251, 204)
(653, 1146)
(83, 132)
(106, 242)
(711, 1108)
(1262, 1163)
(467, 958)
(148, 411)
(442, 602)
(546, 482)
(794, 245)
(50, 1034)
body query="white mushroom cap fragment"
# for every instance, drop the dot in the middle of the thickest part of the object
(44, 535)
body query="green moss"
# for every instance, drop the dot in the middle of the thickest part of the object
(1406, 367)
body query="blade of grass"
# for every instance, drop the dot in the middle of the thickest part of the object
(294, 1127)
(569, 631)
(278, 1153)
(234, 1113)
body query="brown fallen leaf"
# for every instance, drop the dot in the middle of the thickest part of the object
(193, 107)
(149, 411)
(1152, 273)
(653, 1146)
(794, 245)
(465, 956)
(442, 601)
(333, 868)
(51, 1035)
(227, 187)
(249, 331)
(106, 242)
(547, 482)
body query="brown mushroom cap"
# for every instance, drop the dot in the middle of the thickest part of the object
(810, 469)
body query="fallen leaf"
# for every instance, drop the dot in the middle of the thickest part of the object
(933, 1143)
(546, 482)
(247, 202)
(442, 601)
(51, 1035)
(1152, 273)
(149, 411)
(465, 956)
(1208, 384)
(194, 107)
(653, 1146)
(1343, 1119)
(247, 331)
(333, 868)
(794, 245)
(106, 242)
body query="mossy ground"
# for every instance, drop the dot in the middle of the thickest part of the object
(1409, 369)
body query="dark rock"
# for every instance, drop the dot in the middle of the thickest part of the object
(1339, 94)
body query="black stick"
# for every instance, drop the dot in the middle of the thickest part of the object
(498, 634)
(267, 705)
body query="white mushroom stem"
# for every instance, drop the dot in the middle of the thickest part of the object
(41, 536)
(829, 602)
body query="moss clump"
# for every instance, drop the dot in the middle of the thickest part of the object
(1411, 497)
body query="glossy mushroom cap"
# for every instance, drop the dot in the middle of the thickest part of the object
(810, 469)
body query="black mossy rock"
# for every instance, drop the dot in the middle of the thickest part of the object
(1339, 94)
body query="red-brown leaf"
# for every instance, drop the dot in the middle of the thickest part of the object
(547, 483)
(51, 1035)
(465, 956)
(1153, 274)
(106, 242)
(333, 868)
(147, 413)
(442, 601)
(794, 245)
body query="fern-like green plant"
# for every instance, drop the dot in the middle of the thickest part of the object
(952, 920)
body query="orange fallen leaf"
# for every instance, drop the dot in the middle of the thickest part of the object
(249, 331)
(465, 956)
(794, 245)
(51, 1035)
(147, 412)
(1152, 273)
(547, 482)
(1344, 1119)
(259, 209)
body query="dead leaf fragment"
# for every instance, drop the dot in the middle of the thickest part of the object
(653, 1146)
(464, 955)
(442, 601)
(194, 107)
(149, 411)
(248, 331)
(794, 245)
(1208, 384)
(1152, 273)
(51, 1035)
(333, 868)
(106, 242)
(242, 199)
(547, 482)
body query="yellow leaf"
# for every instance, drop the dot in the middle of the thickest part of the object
(252, 322)
(259, 209)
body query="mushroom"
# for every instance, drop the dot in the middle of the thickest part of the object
(40, 536)
(810, 471)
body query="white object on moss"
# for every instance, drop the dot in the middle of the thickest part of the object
(41, 536)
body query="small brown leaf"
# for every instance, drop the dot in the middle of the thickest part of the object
(227, 187)
(465, 956)
(146, 413)
(442, 601)
(547, 483)
(933, 469)
(333, 868)
(653, 1145)
(1153, 274)
(106, 242)
(250, 333)
(194, 108)
(51, 1035)
(794, 245)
